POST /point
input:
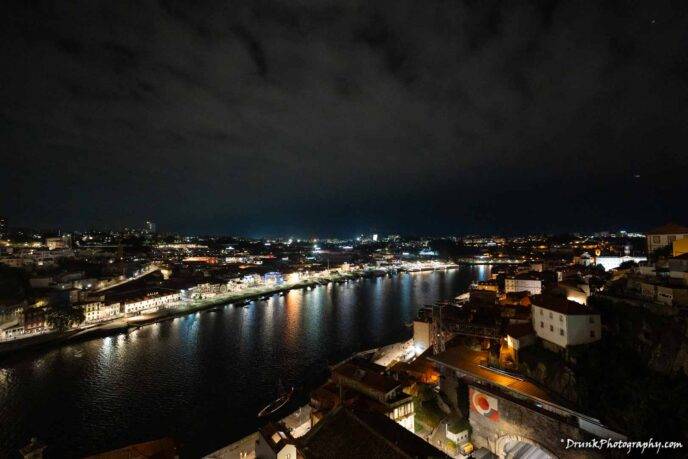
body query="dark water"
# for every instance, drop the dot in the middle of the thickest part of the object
(203, 377)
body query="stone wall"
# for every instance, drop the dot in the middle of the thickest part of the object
(526, 425)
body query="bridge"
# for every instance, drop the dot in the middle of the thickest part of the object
(476, 331)
(512, 416)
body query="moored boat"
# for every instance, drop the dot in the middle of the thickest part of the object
(277, 404)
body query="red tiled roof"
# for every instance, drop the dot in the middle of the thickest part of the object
(520, 330)
(378, 382)
(561, 305)
(669, 228)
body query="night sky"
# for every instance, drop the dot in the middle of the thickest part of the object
(335, 118)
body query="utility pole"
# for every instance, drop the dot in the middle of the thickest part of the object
(120, 255)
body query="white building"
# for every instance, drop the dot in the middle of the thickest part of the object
(614, 262)
(664, 236)
(151, 302)
(523, 284)
(563, 322)
(422, 336)
(97, 311)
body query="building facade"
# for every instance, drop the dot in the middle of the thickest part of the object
(152, 302)
(564, 323)
(663, 236)
(523, 284)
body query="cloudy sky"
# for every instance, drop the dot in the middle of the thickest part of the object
(339, 117)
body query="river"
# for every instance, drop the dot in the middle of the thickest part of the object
(202, 378)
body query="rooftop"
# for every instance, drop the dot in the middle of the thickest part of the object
(561, 305)
(669, 228)
(376, 381)
(360, 434)
(160, 449)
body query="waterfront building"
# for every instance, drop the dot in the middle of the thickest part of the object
(11, 329)
(561, 323)
(252, 280)
(273, 278)
(34, 320)
(137, 301)
(97, 311)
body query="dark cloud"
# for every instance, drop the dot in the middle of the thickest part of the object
(333, 117)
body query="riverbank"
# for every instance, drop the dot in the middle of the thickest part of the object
(55, 339)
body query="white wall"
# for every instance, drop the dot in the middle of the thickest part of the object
(579, 328)
(566, 330)
(534, 286)
(422, 338)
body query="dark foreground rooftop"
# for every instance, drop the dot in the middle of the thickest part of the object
(359, 434)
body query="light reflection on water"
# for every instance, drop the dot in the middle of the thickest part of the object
(201, 378)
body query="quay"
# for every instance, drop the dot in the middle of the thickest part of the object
(180, 308)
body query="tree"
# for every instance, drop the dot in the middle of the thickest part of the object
(628, 264)
(63, 316)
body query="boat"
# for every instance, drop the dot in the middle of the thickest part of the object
(277, 404)
(463, 298)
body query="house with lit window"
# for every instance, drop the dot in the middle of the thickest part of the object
(525, 282)
(96, 311)
(384, 393)
(365, 385)
(561, 323)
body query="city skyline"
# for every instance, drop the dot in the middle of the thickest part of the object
(145, 227)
